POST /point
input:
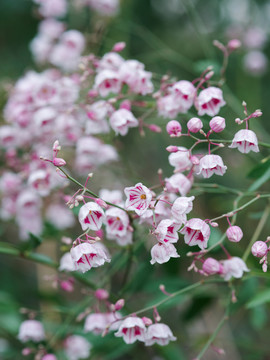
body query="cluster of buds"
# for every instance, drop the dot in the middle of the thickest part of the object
(260, 249)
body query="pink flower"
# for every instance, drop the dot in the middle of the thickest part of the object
(234, 233)
(209, 101)
(211, 266)
(133, 74)
(245, 140)
(31, 330)
(40, 181)
(259, 249)
(174, 128)
(110, 61)
(181, 207)
(233, 267)
(121, 120)
(132, 329)
(60, 216)
(138, 198)
(117, 222)
(159, 334)
(178, 183)
(162, 253)
(185, 92)
(255, 63)
(180, 159)
(77, 347)
(217, 124)
(105, 7)
(66, 263)
(112, 196)
(85, 256)
(49, 357)
(196, 232)
(211, 164)
(96, 323)
(106, 82)
(91, 216)
(166, 231)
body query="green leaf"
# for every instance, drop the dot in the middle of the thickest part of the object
(35, 241)
(260, 169)
(6, 248)
(259, 182)
(259, 299)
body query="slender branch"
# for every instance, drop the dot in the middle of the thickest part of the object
(215, 333)
(257, 232)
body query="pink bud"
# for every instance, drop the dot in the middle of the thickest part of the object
(119, 304)
(155, 128)
(49, 357)
(211, 266)
(91, 115)
(56, 146)
(126, 104)
(67, 285)
(234, 233)
(194, 160)
(119, 46)
(217, 124)
(26, 351)
(101, 294)
(101, 203)
(174, 128)
(259, 249)
(147, 321)
(59, 162)
(209, 75)
(100, 233)
(172, 148)
(234, 44)
(194, 125)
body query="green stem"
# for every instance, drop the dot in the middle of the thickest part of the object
(215, 333)
(257, 232)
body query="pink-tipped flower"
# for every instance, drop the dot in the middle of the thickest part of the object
(234, 267)
(194, 125)
(209, 101)
(196, 232)
(59, 162)
(91, 216)
(119, 46)
(217, 124)
(85, 256)
(166, 231)
(234, 233)
(178, 183)
(211, 164)
(245, 140)
(182, 206)
(138, 198)
(159, 334)
(174, 128)
(121, 120)
(259, 249)
(132, 329)
(162, 253)
(31, 330)
(211, 266)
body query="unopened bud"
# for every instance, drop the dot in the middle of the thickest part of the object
(217, 124)
(234, 44)
(59, 162)
(194, 159)
(119, 46)
(209, 75)
(119, 304)
(213, 224)
(174, 128)
(101, 203)
(56, 146)
(147, 321)
(257, 113)
(126, 104)
(194, 125)
(259, 249)
(234, 233)
(101, 294)
(211, 266)
(155, 128)
(172, 148)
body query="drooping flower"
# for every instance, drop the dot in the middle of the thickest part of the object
(86, 256)
(121, 120)
(132, 329)
(178, 183)
(182, 206)
(160, 334)
(180, 159)
(196, 232)
(66, 263)
(166, 231)
(31, 330)
(209, 101)
(91, 216)
(162, 253)
(117, 222)
(234, 267)
(138, 198)
(96, 323)
(245, 140)
(211, 164)
(77, 347)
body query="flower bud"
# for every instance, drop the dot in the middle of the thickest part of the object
(126, 104)
(211, 266)
(119, 304)
(172, 148)
(234, 233)
(59, 162)
(194, 159)
(217, 124)
(194, 125)
(67, 285)
(147, 321)
(234, 44)
(259, 249)
(92, 93)
(26, 351)
(174, 128)
(101, 203)
(101, 294)
(119, 46)
(155, 128)
(56, 146)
